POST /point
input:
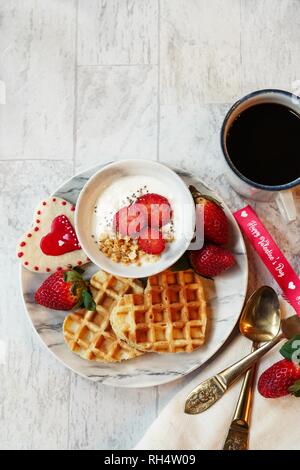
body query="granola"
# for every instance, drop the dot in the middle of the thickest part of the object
(124, 250)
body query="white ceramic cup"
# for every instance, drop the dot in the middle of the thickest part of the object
(282, 194)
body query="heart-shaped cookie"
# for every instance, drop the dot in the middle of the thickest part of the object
(52, 242)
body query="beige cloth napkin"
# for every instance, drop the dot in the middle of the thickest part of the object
(274, 425)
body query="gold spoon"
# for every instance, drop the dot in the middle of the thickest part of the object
(237, 437)
(263, 325)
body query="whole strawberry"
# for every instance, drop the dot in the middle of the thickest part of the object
(216, 227)
(282, 378)
(211, 260)
(64, 290)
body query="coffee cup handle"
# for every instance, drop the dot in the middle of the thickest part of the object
(286, 205)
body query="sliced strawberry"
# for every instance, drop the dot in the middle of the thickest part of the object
(151, 241)
(211, 260)
(64, 290)
(129, 221)
(158, 208)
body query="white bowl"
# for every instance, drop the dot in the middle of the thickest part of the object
(172, 187)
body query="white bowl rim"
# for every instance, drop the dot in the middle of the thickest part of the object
(149, 269)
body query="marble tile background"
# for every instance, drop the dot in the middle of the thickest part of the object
(91, 81)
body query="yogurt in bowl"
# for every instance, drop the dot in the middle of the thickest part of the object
(99, 218)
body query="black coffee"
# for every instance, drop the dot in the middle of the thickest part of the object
(263, 143)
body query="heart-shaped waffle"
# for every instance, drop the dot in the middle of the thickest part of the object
(169, 317)
(89, 334)
(51, 243)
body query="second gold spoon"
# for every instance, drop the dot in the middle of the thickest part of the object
(265, 323)
(238, 434)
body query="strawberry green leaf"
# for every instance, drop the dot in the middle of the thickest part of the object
(291, 349)
(72, 276)
(88, 301)
(182, 264)
(295, 389)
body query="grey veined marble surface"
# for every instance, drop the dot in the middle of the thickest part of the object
(92, 81)
(225, 297)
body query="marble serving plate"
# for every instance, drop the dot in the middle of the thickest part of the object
(225, 296)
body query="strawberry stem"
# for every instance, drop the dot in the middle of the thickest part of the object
(78, 269)
(196, 194)
(295, 389)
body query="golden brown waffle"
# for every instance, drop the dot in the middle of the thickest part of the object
(169, 317)
(90, 334)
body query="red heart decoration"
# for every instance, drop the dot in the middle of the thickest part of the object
(61, 239)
